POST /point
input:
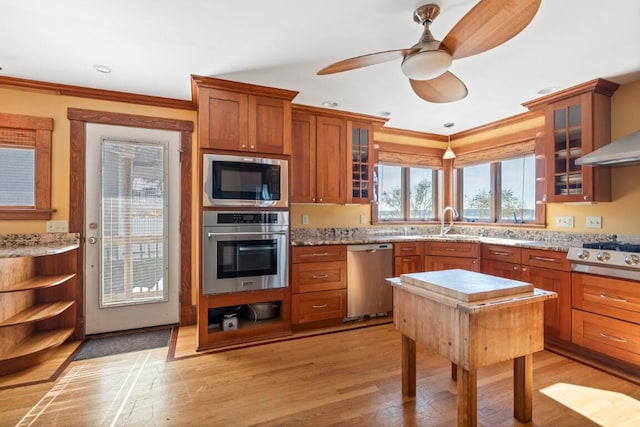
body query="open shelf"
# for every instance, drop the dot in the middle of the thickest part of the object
(33, 350)
(39, 282)
(37, 312)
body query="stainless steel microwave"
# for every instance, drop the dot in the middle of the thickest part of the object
(244, 181)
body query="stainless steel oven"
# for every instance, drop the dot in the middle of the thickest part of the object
(244, 251)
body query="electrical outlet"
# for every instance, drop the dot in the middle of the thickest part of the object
(564, 221)
(60, 226)
(594, 222)
(305, 219)
(363, 219)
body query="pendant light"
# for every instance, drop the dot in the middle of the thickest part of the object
(449, 154)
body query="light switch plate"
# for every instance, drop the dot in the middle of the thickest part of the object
(594, 222)
(564, 221)
(305, 219)
(60, 226)
(363, 219)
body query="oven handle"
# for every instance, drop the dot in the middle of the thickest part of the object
(245, 233)
(256, 248)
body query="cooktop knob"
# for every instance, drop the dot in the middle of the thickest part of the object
(583, 254)
(603, 256)
(632, 259)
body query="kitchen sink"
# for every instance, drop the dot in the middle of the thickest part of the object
(453, 237)
(504, 241)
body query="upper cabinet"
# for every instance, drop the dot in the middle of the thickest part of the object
(331, 158)
(577, 121)
(242, 117)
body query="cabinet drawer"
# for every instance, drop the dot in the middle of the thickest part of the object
(318, 253)
(502, 253)
(311, 307)
(435, 263)
(407, 248)
(318, 276)
(603, 334)
(456, 249)
(407, 264)
(546, 259)
(610, 297)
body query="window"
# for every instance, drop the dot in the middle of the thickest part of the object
(499, 191)
(25, 167)
(405, 193)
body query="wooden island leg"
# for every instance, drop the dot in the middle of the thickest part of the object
(523, 388)
(408, 366)
(467, 397)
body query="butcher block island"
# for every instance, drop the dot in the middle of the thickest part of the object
(474, 320)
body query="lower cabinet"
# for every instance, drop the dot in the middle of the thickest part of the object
(548, 270)
(606, 316)
(318, 285)
(451, 255)
(407, 258)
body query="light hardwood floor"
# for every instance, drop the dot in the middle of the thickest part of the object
(349, 378)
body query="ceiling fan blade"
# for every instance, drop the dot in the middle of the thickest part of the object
(366, 60)
(444, 88)
(489, 24)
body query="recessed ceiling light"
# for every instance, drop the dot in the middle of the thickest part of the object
(329, 104)
(102, 69)
(547, 90)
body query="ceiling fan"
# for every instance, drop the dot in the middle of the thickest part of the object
(489, 24)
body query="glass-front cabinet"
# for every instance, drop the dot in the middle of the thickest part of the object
(577, 121)
(360, 146)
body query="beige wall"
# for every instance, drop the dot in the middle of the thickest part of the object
(618, 217)
(55, 107)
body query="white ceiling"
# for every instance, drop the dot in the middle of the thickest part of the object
(153, 46)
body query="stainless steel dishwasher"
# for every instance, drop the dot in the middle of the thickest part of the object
(368, 294)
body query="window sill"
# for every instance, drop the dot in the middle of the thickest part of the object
(25, 214)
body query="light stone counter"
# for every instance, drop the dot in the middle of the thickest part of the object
(35, 245)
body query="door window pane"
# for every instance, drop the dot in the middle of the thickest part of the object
(134, 223)
(421, 193)
(517, 195)
(476, 192)
(391, 198)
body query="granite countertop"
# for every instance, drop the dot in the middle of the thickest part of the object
(532, 244)
(35, 245)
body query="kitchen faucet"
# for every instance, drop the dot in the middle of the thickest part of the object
(454, 214)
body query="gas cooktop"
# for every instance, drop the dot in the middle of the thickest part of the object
(612, 258)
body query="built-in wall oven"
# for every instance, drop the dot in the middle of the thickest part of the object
(244, 251)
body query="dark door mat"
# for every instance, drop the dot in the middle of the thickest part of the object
(110, 345)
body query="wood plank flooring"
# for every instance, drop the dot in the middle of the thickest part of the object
(349, 378)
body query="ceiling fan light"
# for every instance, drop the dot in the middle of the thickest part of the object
(426, 65)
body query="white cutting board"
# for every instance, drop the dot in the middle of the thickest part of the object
(466, 285)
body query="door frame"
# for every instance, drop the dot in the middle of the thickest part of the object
(78, 118)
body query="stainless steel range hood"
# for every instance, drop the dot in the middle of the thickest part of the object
(624, 151)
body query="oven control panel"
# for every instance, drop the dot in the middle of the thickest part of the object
(248, 218)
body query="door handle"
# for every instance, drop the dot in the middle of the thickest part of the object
(92, 240)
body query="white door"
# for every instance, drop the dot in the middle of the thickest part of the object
(132, 228)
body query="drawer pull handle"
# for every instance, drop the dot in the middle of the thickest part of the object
(316, 254)
(408, 249)
(320, 276)
(320, 306)
(450, 249)
(612, 337)
(406, 259)
(541, 258)
(613, 298)
(500, 253)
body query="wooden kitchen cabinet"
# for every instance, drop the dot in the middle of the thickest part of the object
(606, 316)
(407, 258)
(37, 308)
(331, 156)
(318, 285)
(241, 117)
(548, 270)
(317, 161)
(577, 121)
(451, 255)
